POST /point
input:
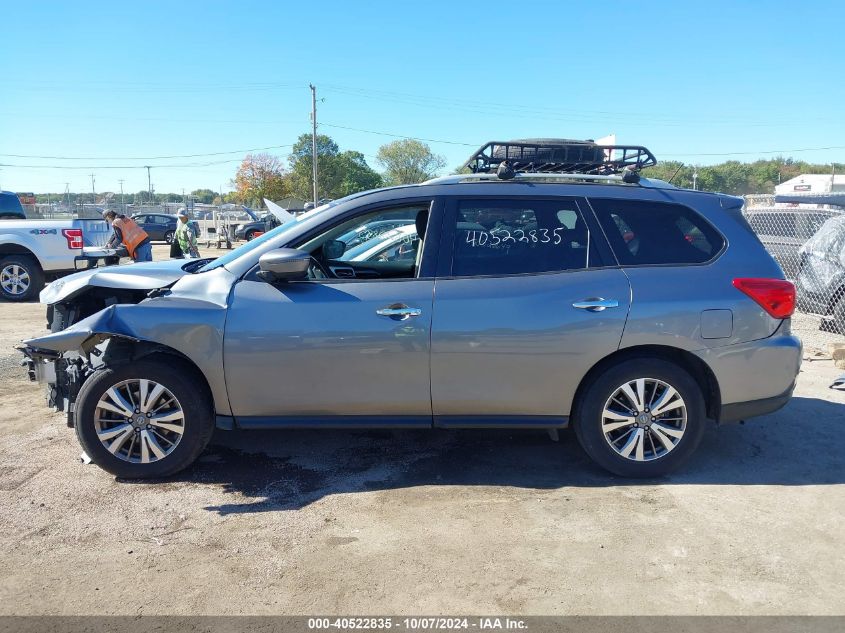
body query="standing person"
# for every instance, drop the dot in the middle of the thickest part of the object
(185, 236)
(132, 236)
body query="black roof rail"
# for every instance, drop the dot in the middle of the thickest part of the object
(557, 156)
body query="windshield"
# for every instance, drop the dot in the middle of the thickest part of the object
(243, 249)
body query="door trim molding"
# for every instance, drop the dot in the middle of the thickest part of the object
(501, 421)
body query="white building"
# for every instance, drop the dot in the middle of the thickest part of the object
(812, 183)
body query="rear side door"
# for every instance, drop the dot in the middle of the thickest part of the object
(525, 304)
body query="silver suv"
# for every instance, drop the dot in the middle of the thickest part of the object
(632, 310)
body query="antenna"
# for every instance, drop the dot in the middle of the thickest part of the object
(680, 167)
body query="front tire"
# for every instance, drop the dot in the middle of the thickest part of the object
(21, 278)
(643, 417)
(168, 237)
(249, 236)
(146, 419)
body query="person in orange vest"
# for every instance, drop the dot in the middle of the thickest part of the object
(132, 236)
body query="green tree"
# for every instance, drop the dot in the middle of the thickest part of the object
(338, 173)
(205, 196)
(354, 175)
(408, 161)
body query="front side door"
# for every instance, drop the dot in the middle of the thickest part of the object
(336, 351)
(524, 308)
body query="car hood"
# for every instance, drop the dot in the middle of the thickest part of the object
(142, 276)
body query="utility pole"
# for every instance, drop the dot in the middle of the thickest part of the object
(149, 184)
(67, 194)
(93, 190)
(694, 178)
(314, 141)
(122, 206)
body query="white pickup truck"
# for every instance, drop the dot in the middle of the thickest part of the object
(31, 251)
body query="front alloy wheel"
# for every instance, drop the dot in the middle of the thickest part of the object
(147, 418)
(21, 278)
(139, 421)
(15, 280)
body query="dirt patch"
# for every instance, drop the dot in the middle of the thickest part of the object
(422, 521)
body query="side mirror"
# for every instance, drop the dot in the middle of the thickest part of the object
(333, 249)
(284, 264)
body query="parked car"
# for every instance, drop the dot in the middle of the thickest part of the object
(371, 230)
(11, 207)
(161, 227)
(784, 231)
(249, 230)
(399, 244)
(821, 272)
(527, 308)
(32, 251)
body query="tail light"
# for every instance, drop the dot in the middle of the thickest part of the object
(73, 237)
(775, 296)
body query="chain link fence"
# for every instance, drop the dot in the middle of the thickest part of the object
(216, 223)
(808, 241)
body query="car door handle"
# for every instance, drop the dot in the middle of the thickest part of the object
(399, 312)
(596, 304)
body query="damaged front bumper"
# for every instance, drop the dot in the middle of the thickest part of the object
(62, 361)
(61, 377)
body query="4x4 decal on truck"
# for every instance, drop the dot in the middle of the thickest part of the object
(44, 232)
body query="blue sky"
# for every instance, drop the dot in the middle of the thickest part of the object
(123, 83)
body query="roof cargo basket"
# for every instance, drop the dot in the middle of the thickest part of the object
(557, 156)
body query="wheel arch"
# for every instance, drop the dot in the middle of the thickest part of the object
(697, 368)
(123, 350)
(12, 248)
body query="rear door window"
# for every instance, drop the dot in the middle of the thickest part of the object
(643, 232)
(506, 237)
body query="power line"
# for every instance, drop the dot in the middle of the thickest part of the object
(234, 151)
(412, 138)
(165, 166)
(769, 151)
(577, 116)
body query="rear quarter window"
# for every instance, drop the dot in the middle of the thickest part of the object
(646, 233)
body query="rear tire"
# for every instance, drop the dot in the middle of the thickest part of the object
(21, 278)
(657, 440)
(168, 237)
(249, 236)
(168, 445)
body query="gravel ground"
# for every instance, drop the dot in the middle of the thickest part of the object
(813, 334)
(422, 522)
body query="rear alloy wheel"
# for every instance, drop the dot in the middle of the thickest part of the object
(641, 418)
(21, 278)
(168, 237)
(644, 419)
(250, 235)
(145, 419)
